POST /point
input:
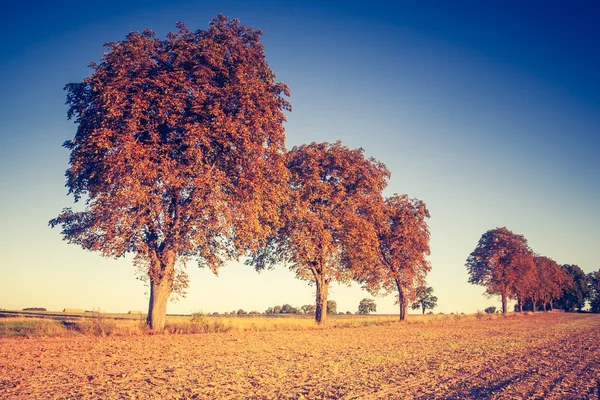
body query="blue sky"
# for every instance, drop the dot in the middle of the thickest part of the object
(487, 111)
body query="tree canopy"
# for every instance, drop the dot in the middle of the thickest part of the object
(495, 262)
(551, 280)
(424, 299)
(594, 285)
(367, 306)
(179, 152)
(575, 294)
(328, 232)
(402, 247)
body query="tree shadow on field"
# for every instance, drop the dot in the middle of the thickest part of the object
(466, 391)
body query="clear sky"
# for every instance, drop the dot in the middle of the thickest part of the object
(487, 111)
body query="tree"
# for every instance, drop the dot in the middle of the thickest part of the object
(425, 300)
(179, 153)
(367, 306)
(288, 309)
(331, 307)
(494, 262)
(402, 246)
(527, 279)
(328, 233)
(308, 308)
(594, 284)
(551, 278)
(576, 292)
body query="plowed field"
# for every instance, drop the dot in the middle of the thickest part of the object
(547, 355)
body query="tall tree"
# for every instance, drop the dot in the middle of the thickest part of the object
(495, 262)
(179, 152)
(425, 300)
(527, 279)
(403, 244)
(551, 278)
(328, 233)
(575, 294)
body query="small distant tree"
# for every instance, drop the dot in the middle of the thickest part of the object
(367, 306)
(494, 262)
(425, 300)
(348, 313)
(241, 312)
(577, 290)
(288, 309)
(277, 310)
(594, 282)
(490, 310)
(308, 309)
(331, 307)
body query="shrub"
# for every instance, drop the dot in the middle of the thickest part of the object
(97, 326)
(490, 310)
(34, 309)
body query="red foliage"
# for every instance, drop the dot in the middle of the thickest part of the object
(496, 262)
(328, 232)
(403, 244)
(179, 150)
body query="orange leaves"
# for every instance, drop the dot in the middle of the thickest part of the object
(506, 266)
(327, 229)
(402, 247)
(179, 148)
(331, 187)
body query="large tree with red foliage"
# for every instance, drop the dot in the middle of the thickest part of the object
(551, 281)
(496, 262)
(402, 245)
(328, 233)
(179, 152)
(527, 279)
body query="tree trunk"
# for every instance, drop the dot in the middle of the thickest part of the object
(533, 301)
(551, 305)
(423, 309)
(321, 301)
(157, 310)
(504, 310)
(519, 303)
(402, 300)
(162, 273)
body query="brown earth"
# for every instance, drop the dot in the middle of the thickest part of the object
(545, 356)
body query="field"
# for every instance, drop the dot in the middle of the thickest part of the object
(546, 355)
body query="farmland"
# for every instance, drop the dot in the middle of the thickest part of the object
(546, 355)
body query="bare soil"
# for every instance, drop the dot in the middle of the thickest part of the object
(545, 356)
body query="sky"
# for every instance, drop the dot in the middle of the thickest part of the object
(489, 112)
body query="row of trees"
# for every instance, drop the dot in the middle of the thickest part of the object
(504, 263)
(180, 154)
(305, 309)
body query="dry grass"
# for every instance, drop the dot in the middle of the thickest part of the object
(101, 324)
